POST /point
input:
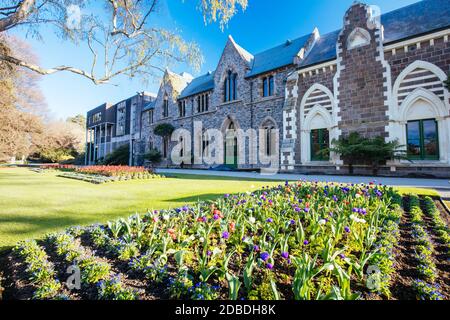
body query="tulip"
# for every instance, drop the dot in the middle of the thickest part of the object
(265, 256)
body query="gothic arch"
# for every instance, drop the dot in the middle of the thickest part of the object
(359, 37)
(419, 64)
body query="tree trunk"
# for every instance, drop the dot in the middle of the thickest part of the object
(351, 170)
(375, 168)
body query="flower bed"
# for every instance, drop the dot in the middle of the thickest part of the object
(296, 241)
(102, 174)
(426, 286)
(115, 171)
(87, 177)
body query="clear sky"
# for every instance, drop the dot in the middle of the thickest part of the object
(265, 23)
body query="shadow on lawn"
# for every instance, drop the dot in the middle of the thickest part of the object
(212, 177)
(195, 198)
(36, 224)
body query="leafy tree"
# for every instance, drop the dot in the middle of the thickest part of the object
(355, 149)
(164, 130)
(154, 157)
(349, 148)
(23, 110)
(79, 120)
(120, 156)
(377, 151)
(56, 155)
(118, 34)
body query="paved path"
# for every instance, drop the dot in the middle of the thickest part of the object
(442, 185)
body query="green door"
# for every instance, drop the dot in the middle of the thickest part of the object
(231, 152)
(320, 140)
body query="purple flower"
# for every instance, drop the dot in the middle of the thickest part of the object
(225, 235)
(256, 248)
(292, 222)
(216, 217)
(355, 210)
(306, 242)
(269, 266)
(285, 255)
(209, 253)
(306, 210)
(342, 256)
(226, 196)
(347, 229)
(265, 256)
(270, 220)
(297, 209)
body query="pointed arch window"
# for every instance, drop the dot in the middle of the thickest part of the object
(230, 87)
(166, 106)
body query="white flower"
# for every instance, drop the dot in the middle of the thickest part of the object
(252, 220)
(322, 222)
(166, 217)
(330, 267)
(202, 239)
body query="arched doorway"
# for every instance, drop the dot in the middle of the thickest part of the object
(231, 146)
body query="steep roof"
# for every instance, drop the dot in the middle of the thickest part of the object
(277, 57)
(247, 56)
(200, 84)
(419, 18)
(323, 50)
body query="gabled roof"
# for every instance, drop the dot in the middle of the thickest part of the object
(323, 50)
(277, 57)
(247, 56)
(200, 84)
(416, 19)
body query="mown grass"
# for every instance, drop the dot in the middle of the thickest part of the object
(33, 204)
(418, 191)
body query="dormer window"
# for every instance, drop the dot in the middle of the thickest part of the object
(268, 86)
(230, 87)
(166, 106)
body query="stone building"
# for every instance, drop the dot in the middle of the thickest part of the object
(380, 75)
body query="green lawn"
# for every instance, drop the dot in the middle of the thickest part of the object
(418, 191)
(33, 204)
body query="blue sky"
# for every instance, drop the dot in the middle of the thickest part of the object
(265, 23)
